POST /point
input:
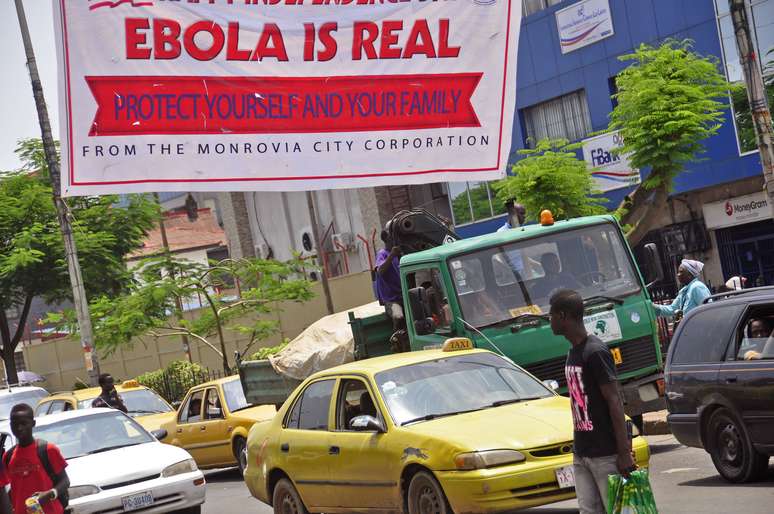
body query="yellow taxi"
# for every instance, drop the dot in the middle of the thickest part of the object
(437, 431)
(213, 421)
(144, 404)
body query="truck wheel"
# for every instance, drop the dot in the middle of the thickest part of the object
(286, 499)
(731, 450)
(425, 496)
(240, 453)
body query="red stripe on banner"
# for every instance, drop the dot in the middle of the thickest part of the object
(273, 105)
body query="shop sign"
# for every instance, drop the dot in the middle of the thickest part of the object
(737, 211)
(609, 169)
(583, 24)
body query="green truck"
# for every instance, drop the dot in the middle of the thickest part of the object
(494, 289)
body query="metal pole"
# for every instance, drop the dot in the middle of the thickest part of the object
(318, 246)
(71, 252)
(171, 271)
(756, 93)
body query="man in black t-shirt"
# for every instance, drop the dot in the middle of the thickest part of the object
(601, 445)
(109, 397)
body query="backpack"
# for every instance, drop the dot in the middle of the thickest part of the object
(41, 447)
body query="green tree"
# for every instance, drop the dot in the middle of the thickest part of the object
(669, 101)
(150, 306)
(551, 177)
(32, 259)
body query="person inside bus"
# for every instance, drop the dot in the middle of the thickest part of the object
(554, 277)
(691, 295)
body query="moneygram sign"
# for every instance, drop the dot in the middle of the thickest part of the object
(737, 211)
(186, 95)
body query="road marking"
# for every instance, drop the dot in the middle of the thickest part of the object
(678, 470)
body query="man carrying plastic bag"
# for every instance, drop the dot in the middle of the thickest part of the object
(631, 495)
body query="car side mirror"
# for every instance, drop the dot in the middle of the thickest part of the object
(367, 423)
(654, 271)
(159, 434)
(551, 384)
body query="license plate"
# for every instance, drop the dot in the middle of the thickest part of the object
(617, 357)
(566, 477)
(137, 501)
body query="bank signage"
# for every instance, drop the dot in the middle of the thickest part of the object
(737, 211)
(610, 170)
(207, 95)
(583, 24)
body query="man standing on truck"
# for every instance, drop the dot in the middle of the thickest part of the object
(388, 290)
(691, 295)
(601, 444)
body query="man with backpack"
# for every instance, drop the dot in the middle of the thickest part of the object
(34, 468)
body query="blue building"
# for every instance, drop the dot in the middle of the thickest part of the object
(718, 211)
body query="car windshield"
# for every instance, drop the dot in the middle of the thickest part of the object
(235, 396)
(454, 385)
(497, 284)
(31, 398)
(138, 402)
(86, 435)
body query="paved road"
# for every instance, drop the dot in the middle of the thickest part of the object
(683, 479)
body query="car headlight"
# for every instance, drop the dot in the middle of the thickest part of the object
(487, 459)
(186, 466)
(79, 491)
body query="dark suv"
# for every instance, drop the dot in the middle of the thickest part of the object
(720, 381)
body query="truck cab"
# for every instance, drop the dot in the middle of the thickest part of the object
(495, 290)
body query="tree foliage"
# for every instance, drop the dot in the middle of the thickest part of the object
(670, 99)
(151, 306)
(552, 177)
(32, 259)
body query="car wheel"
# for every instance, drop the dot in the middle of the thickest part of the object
(731, 450)
(240, 452)
(286, 499)
(425, 495)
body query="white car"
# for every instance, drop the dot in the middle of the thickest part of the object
(116, 466)
(10, 396)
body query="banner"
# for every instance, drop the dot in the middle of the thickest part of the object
(610, 170)
(281, 95)
(583, 24)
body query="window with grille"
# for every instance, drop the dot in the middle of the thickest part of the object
(564, 117)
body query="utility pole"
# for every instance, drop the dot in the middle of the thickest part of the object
(71, 252)
(318, 246)
(171, 271)
(756, 93)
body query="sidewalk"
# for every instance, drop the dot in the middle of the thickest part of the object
(655, 423)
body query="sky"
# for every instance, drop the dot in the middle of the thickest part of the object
(18, 117)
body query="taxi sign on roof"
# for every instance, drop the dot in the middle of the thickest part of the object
(455, 344)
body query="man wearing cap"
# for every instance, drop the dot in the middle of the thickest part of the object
(691, 295)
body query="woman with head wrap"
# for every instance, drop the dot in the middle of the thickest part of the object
(691, 295)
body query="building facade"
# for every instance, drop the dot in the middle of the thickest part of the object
(563, 90)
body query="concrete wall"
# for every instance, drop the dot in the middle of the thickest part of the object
(60, 361)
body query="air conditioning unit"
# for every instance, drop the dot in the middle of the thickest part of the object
(305, 240)
(342, 240)
(262, 251)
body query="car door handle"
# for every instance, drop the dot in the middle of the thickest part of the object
(334, 450)
(674, 396)
(179, 430)
(285, 448)
(731, 380)
(202, 428)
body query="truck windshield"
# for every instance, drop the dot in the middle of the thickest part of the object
(497, 284)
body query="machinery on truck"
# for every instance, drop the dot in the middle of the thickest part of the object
(494, 289)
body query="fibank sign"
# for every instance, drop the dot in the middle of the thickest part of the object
(610, 169)
(737, 211)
